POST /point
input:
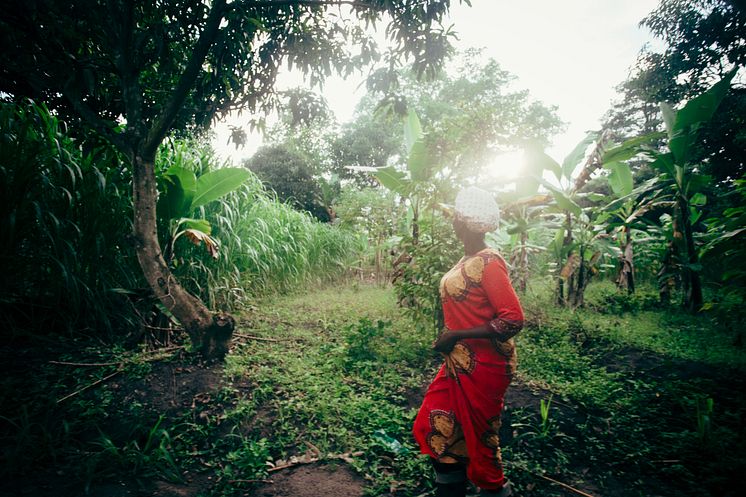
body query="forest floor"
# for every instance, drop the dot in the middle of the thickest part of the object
(319, 391)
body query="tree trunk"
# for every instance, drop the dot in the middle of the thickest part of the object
(523, 263)
(578, 282)
(666, 279)
(626, 277)
(415, 223)
(693, 299)
(210, 333)
(560, 292)
(566, 270)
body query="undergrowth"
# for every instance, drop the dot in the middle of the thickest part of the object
(339, 373)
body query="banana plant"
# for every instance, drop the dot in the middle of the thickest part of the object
(415, 183)
(624, 216)
(182, 194)
(572, 260)
(579, 243)
(677, 165)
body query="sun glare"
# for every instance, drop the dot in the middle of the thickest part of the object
(507, 166)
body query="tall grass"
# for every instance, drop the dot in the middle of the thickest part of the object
(65, 215)
(265, 246)
(66, 252)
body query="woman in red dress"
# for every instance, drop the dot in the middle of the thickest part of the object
(459, 420)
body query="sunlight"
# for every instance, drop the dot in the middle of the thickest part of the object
(506, 166)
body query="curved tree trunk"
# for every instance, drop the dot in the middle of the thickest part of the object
(209, 333)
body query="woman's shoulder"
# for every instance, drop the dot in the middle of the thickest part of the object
(491, 255)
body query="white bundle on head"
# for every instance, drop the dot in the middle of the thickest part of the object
(477, 209)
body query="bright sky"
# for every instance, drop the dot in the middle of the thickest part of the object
(570, 53)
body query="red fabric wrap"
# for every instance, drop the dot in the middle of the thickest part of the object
(459, 419)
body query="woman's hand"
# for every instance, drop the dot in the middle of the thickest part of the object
(445, 342)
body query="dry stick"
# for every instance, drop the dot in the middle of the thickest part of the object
(291, 464)
(564, 485)
(119, 370)
(85, 363)
(264, 339)
(91, 385)
(120, 363)
(429, 492)
(251, 481)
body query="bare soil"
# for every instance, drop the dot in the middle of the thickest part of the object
(313, 480)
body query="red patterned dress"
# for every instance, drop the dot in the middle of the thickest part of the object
(459, 419)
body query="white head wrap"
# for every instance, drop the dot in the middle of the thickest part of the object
(477, 209)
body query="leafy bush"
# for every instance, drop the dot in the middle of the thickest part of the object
(361, 339)
(609, 300)
(417, 288)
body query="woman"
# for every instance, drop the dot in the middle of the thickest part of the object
(459, 420)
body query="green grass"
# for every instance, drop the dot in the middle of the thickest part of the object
(632, 419)
(338, 379)
(334, 368)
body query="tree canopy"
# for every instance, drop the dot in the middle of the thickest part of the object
(136, 71)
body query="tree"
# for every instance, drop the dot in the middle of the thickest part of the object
(370, 140)
(290, 174)
(705, 39)
(136, 71)
(472, 114)
(680, 166)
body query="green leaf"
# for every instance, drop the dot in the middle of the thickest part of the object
(701, 109)
(418, 161)
(696, 183)
(177, 191)
(629, 148)
(538, 161)
(394, 180)
(694, 215)
(563, 201)
(215, 184)
(412, 130)
(196, 224)
(698, 199)
(680, 143)
(664, 163)
(620, 178)
(577, 155)
(186, 177)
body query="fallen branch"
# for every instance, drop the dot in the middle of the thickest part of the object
(119, 370)
(85, 363)
(566, 486)
(429, 492)
(265, 339)
(252, 337)
(306, 459)
(153, 353)
(251, 481)
(154, 356)
(160, 328)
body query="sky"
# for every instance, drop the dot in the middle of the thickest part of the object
(570, 54)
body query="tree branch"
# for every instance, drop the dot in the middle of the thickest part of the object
(129, 77)
(164, 120)
(282, 3)
(95, 121)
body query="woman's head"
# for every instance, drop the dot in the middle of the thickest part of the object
(475, 213)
